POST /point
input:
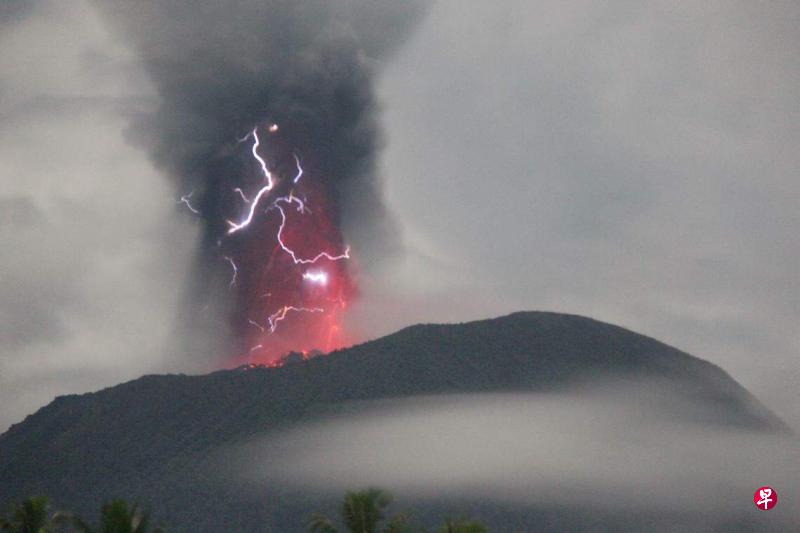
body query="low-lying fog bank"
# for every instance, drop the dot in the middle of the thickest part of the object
(612, 449)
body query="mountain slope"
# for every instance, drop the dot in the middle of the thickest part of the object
(147, 438)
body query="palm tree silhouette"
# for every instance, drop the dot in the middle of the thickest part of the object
(115, 517)
(362, 512)
(30, 516)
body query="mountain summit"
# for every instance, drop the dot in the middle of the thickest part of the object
(150, 439)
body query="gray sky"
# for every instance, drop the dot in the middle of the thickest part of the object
(634, 163)
(93, 252)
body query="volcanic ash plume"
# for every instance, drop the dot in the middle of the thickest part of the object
(268, 123)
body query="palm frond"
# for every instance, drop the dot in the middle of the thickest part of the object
(74, 521)
(398, 524)
(362, 511)
(321, 524)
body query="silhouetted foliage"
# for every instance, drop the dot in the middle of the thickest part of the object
(115, 517)
(362, 512)
(398, 524)
(462, 526)
(32, 515)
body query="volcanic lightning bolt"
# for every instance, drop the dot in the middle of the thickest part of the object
(235, 271)
(240, 192)
(281, 314)
(299, 169)
(304, 229)
(256, 324)
(297, 260)
(186, 200)
(234, 227)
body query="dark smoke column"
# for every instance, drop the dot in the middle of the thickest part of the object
(226, 72)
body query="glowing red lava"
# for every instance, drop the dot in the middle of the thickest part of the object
(293, 270)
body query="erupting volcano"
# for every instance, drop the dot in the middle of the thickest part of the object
(290, 268)
(268, 121)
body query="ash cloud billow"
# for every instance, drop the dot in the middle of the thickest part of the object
(272, 97)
